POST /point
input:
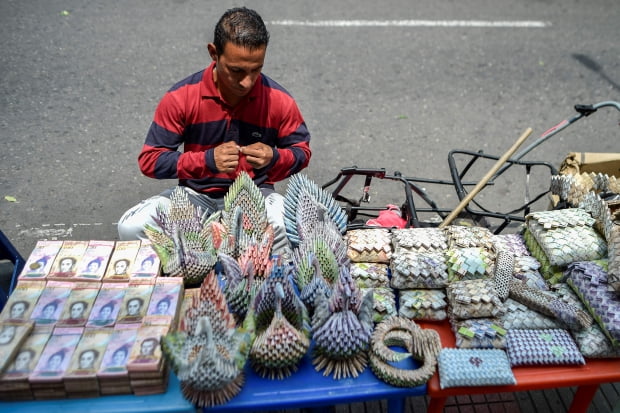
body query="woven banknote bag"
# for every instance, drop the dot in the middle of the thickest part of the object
(592, 342)
(468, 237)
(474, 299)
(427, 304)
(563, 236)
(589, 280)
(370, 274)
(469, 263)
(613, 272)
(369, 245)
(384, 302)
(607, 215)
(479, 333)
(526, 269)
(503, 273)
(513, 243)
(419, 239)
(550, 273)
(474, 367)
(412, 269)
(549, 303)
(520, 316)
(542, 347)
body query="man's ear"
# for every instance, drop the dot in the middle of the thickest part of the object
(212, 51)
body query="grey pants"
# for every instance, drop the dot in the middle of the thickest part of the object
(131, 225)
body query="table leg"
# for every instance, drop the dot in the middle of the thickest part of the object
(582, 399)
(436, 404)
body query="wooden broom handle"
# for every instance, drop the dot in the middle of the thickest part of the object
(501, 161)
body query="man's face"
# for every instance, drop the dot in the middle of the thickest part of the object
(93, 267)
(147, 348)
(77, 309)
(18, 309)
(65, 265)
(237, 70)
(133, 307)
(87, 359)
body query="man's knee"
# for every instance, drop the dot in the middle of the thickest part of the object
(131, 224)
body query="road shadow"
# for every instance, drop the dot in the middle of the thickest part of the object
(589, 63)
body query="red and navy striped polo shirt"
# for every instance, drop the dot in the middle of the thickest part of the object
(193, 114)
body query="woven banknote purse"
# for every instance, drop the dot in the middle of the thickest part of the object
(369, 245)
(384, 302)
(479, 333)
(542, 347)
(503, 273)
(469, 263)
(412, 269)
(606, 213)
(526, 269)
(419, 239)
(370, 274)
(474, 367)
(423, 304)
(549, 303)
(592, 342)
(513, 243)
(589, 280)
(550, 273)
(520, 316)
(563, 236)
(469, 237)
(474, 299)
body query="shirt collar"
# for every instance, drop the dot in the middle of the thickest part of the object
(208, 90)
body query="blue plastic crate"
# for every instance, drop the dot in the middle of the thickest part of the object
(9, 252)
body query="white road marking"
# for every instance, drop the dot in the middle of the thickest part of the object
(55, 231)
(414, 23)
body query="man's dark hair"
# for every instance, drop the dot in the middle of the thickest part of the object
(242, 27)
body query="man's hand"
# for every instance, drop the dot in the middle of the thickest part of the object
(257, 154)
(226, 157)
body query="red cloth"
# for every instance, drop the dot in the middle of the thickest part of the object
(388, 218)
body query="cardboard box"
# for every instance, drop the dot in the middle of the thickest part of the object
(580, 162)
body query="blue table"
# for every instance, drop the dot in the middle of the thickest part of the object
(169, 402)
(308, 388)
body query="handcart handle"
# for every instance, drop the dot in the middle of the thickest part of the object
(583, 110)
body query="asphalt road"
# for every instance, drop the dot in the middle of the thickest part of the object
(79, 81)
